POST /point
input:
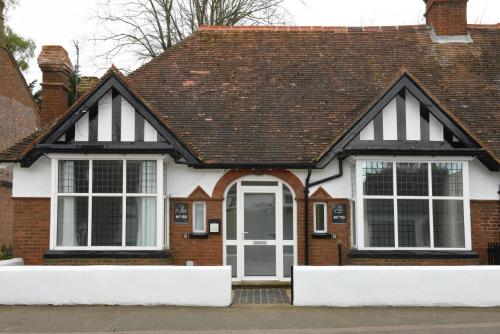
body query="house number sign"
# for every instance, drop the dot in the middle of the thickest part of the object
(339, 213)
(181, 213)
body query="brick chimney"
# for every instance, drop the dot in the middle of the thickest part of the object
(447, 17)
(57, 70)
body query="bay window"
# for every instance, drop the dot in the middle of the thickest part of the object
(412, 205)
(106, 203)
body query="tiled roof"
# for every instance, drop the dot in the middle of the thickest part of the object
(284, 95)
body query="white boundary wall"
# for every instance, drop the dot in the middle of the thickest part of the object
(116, 285)
(12, 262)
(347, 286)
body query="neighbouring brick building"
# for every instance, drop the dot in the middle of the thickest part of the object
(265, 147)
(19, 116)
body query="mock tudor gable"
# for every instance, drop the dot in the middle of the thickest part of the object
(109, 118)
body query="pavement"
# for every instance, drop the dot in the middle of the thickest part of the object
(247, 319)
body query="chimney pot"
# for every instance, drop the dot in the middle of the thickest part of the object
(56, 73)
(447, 17)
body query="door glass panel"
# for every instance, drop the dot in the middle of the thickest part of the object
(260, 216)
(232, 259)
(231, 214)
(287, 214)
(260, 260)
(287, 260)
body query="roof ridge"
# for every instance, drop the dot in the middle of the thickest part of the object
(339, 29)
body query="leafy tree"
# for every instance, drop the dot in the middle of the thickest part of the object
(23, 49)
(146, 28)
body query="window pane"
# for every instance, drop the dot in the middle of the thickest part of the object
(260, 216)
(260, 183)
(106, 221)
(141, 177)
(231, 214)
(72, 221)
(447, 179)
(287, 214)
(232, 259)
(320, 217)
(448, 223)
(377, 178)
(199, 216)
(141, 221)
(412, 179)
(287, 260)
(379, 222)
(413, 223)
(107, 176)
(73, 176)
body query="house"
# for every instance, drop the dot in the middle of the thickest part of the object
(264, 147)
(19, 116)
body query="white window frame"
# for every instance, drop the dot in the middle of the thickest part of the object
(360, 200)
(159, 244)
(325, 215)
(204, 230)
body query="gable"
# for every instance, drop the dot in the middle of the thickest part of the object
(111, 120)
(406, 121)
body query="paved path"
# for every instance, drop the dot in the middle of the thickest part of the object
(247, 319)
(260, 296)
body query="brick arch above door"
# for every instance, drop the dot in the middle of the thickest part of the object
(291, 179)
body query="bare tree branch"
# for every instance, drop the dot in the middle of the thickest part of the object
(146, 28)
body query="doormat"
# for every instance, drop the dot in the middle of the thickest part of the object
(261, 296)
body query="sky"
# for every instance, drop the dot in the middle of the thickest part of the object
(61, 22)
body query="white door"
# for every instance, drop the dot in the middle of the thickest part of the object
(259, 236)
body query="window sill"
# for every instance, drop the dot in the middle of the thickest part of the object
(411, 254)
(198, 235)
(115, 254)
(321, 235)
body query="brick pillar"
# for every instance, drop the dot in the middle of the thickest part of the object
(447, 17)
(57, 70)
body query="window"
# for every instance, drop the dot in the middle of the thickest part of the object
(106, 203)
(413, 204)
(320, 225)
(199, 217)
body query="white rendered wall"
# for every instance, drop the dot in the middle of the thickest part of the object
(127, 121)
(351, 286)
(484, 185)
(82, 128)
(338, 188)
(104, 117)
(182, 180)
(116, 285)
(390, 121)
(412, 117)
(34, 181)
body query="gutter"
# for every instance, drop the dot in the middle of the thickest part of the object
(308, 186)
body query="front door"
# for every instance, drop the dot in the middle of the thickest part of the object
(259, 226)
(259, 229)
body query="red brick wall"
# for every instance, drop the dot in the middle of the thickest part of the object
(18, 112)
(413, 262)
(106, 261)
(448, 17)
(485, 223)
(6, 214)
(325, 251)
(31, 229)
(201, 251)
